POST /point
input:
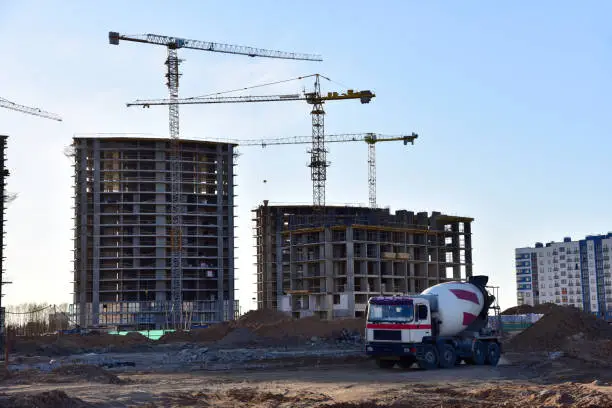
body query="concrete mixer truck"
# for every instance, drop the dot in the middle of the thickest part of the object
(441, 327)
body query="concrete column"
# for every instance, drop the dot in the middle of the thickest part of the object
(161, 253)
(329, 272)
(220, 234)
(230, 230)
(350, 271)
(467, 230)
(268, 256)
(456, 251)
(279, 263)
(95, 289)
(82, 183)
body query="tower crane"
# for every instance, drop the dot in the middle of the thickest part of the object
(369, 138)
(318, 153)
(172, 75)
(5, 103)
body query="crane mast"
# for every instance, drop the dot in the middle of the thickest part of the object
(318, 153)
(371, 140)
(172, 61)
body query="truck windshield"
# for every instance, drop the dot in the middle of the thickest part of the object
(390, 313)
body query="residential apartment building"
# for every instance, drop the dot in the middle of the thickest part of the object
(329, 265)
(123, 237)
(572, 273)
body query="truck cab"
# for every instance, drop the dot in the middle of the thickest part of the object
(401, 319)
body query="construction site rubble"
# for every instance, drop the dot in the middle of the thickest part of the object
(563, 329)
(565, 357)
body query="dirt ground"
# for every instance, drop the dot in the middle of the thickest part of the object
(355, 383)
(266, 360)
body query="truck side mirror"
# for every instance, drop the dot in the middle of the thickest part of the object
(422, 312)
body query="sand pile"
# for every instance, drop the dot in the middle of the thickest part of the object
(47, 399)
(83, 372)
(526, 309)
(310, 327)
(239, 337)
(257, 318)
(558, 327)
(74, 343)
(210, 334)
(64, 374)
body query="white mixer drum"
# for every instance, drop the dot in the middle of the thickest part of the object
(459, 304)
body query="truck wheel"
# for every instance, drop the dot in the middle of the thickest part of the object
(406, 362)
(493, 353)
(448, 356)
(386, 364)
(479, 354)
(429, 360)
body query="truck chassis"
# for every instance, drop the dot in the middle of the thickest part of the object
(433, 352)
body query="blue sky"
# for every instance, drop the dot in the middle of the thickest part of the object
(511, 102)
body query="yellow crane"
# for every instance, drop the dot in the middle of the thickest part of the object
(318, 153)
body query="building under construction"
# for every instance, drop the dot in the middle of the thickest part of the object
(123, 240)
(329, 265)
(4, 173)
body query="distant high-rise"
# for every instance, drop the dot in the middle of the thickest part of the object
(574, 273)
(122, 232)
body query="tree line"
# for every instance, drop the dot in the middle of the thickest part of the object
(36, 319)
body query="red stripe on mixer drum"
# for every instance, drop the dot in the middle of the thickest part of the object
(465, 295)
(468, 318)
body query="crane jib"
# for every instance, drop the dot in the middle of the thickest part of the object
(177, 42)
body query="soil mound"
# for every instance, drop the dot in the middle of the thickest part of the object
(58, 345)
(260, 317)
(310, 327)
(47, 399)
(239, 337)
(553, 331)
(89, 373)
(210, 334)
(526, 309)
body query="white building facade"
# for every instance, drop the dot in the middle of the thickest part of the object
(570, 273)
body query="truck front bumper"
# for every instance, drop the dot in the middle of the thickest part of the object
(381, 349)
